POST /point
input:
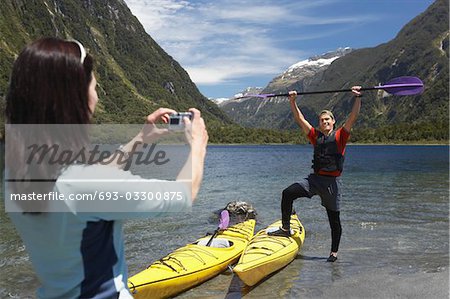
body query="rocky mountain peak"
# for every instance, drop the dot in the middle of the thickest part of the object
(308, 67)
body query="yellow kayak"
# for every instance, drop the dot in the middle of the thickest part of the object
(267, 254)
(192, 264)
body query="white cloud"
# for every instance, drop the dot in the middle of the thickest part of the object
(224, 40)
(153, 14)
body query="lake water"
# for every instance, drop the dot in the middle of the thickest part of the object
(394, 212)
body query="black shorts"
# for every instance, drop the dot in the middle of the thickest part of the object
(327, 187)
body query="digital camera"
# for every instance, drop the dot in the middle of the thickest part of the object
(176, 120)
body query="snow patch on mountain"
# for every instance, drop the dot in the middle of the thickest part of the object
(311, 65)
(314, 63)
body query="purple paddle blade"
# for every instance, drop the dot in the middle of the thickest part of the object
(403, 86)
(224, 219)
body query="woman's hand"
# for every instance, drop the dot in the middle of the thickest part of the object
(197, 137)
(195, 130)
(151, 132)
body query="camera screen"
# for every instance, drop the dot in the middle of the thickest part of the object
(174, 121)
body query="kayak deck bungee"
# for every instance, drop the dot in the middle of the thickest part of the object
(192, 264)
(266, 254)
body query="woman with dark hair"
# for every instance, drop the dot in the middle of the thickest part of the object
(79, 254)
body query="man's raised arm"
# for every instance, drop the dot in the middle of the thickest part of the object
(298, 115)
(355, 109)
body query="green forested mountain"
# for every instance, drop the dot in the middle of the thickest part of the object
(420, 49)
(135, 75)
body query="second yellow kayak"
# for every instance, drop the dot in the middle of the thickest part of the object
(266, 254)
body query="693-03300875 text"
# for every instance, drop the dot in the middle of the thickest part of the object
(98, 195)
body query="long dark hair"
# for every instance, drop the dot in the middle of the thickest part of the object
(48, 86)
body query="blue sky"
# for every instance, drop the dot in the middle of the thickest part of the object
(228, 45)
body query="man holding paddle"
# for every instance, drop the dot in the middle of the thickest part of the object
(329, 149)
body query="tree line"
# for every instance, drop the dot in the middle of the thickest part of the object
(436, 132)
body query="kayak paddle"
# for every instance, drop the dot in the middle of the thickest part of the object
(401, 86)
(223, 224)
